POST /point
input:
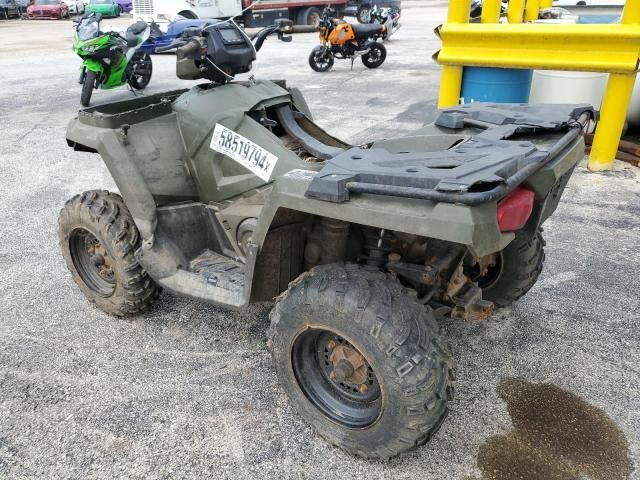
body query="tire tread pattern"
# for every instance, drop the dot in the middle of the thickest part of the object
(106, 215)
(523, 262)
(407, 339)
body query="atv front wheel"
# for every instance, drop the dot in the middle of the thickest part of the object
(320, 59)
(361, 359)
(88, 85)
(98, 239)
(375, 57)
(516, 269)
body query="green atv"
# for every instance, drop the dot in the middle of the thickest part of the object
(230, 193)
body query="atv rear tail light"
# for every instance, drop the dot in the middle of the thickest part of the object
(515, 209)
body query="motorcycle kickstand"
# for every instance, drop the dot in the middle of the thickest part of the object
(352, 60)
(131, 89)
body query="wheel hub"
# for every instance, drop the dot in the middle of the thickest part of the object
(101, 260)
(336, 378)
(348, 365)
(93, 262)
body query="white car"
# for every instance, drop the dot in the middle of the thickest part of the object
(76, 7)
(568, 3)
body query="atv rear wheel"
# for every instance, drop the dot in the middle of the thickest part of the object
(361, 359)
(375, 57)
(320, 59)
(88, 85)
(516, 270)
(98, 239)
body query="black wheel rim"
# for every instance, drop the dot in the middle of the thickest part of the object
(374, 56)
(142, 71)
(322, 61)
(354, 401)
(92, 262)
(492, 274)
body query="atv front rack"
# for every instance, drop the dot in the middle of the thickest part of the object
(481, 169)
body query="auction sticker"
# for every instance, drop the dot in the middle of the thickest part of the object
(243, 151)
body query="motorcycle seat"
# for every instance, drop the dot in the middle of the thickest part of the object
(366, 30)
(132, 40)
(137, 28)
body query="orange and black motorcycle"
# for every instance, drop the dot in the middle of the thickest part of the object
(346, 41)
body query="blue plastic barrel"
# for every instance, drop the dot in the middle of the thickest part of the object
(500, 85)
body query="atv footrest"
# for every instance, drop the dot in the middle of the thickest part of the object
(218, 270)
(212, 277)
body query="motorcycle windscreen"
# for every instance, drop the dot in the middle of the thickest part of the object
(88, 29)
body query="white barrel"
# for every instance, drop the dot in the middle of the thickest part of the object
(633, 113)
(551, 86)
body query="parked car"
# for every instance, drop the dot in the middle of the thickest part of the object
(48, 9)
(9, 8)
(107, 8)
(361, 9)
(76, 7)
(125, 5)
(22, 5)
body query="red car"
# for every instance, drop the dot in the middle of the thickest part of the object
(48, 9)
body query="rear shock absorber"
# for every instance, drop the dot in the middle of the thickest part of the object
(376, 247)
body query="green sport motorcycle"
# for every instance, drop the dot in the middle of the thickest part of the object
(110, 59)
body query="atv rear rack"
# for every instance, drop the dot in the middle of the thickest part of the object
(484, 168)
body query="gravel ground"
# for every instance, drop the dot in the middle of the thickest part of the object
(188, 390)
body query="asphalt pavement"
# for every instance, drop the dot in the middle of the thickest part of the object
(188, 390)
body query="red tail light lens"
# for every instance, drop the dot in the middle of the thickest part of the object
(515, 209)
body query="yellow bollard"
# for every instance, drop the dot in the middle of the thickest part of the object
(612, 117)
(532, 11)
(614, 106)
(490, 11)
(515, 11)
(546, 3)
(451, 78)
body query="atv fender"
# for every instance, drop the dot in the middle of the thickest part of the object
(473, 226)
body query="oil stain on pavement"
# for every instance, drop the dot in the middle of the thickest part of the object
(556, 436)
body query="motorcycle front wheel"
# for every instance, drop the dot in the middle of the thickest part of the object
(142, 68)
(375, 57)
(87, 88)
(320, 60)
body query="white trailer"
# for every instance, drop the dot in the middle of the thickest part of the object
(166, 10)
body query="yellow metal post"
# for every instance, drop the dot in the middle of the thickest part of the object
(451, 78)
(614, 106)
(546, 3)
(612, 116)
(490, 11)
(515, 12)
(532, 11)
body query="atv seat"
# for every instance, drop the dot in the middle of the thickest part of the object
(367, 30)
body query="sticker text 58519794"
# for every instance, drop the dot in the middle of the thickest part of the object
(243, 151)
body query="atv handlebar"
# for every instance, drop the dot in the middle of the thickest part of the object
(175, 44)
